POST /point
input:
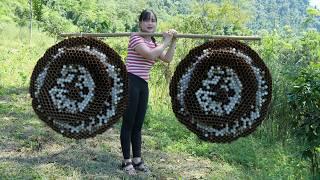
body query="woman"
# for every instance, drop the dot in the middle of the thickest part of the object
(143, 51)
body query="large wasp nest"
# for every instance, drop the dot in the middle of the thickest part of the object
(221, 90)
(79, 87)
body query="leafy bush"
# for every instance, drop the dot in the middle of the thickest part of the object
(54, 24)
(304, 99)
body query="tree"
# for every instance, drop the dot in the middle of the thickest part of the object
(37, 9)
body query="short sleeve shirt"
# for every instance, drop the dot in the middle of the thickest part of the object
(135, 63)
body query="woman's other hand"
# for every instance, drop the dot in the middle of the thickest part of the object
(167, 38)
(174, 33)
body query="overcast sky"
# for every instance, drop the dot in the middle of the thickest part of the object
(315, 3)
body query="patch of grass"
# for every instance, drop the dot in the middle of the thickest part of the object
(15, 170)
(19, 56)
(55, 171)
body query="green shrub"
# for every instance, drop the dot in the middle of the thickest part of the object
(304, 99)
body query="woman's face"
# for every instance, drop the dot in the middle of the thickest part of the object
(149, 25)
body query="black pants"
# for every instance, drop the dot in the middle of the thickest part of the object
(134, 116)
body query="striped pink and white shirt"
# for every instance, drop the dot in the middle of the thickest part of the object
(135, 63)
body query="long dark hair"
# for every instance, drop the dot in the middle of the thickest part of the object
(146, 15)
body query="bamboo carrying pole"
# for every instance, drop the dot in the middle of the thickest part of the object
(192, 36)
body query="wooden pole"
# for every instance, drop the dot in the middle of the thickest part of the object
(192, 36)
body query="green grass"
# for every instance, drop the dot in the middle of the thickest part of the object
(31, 150)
